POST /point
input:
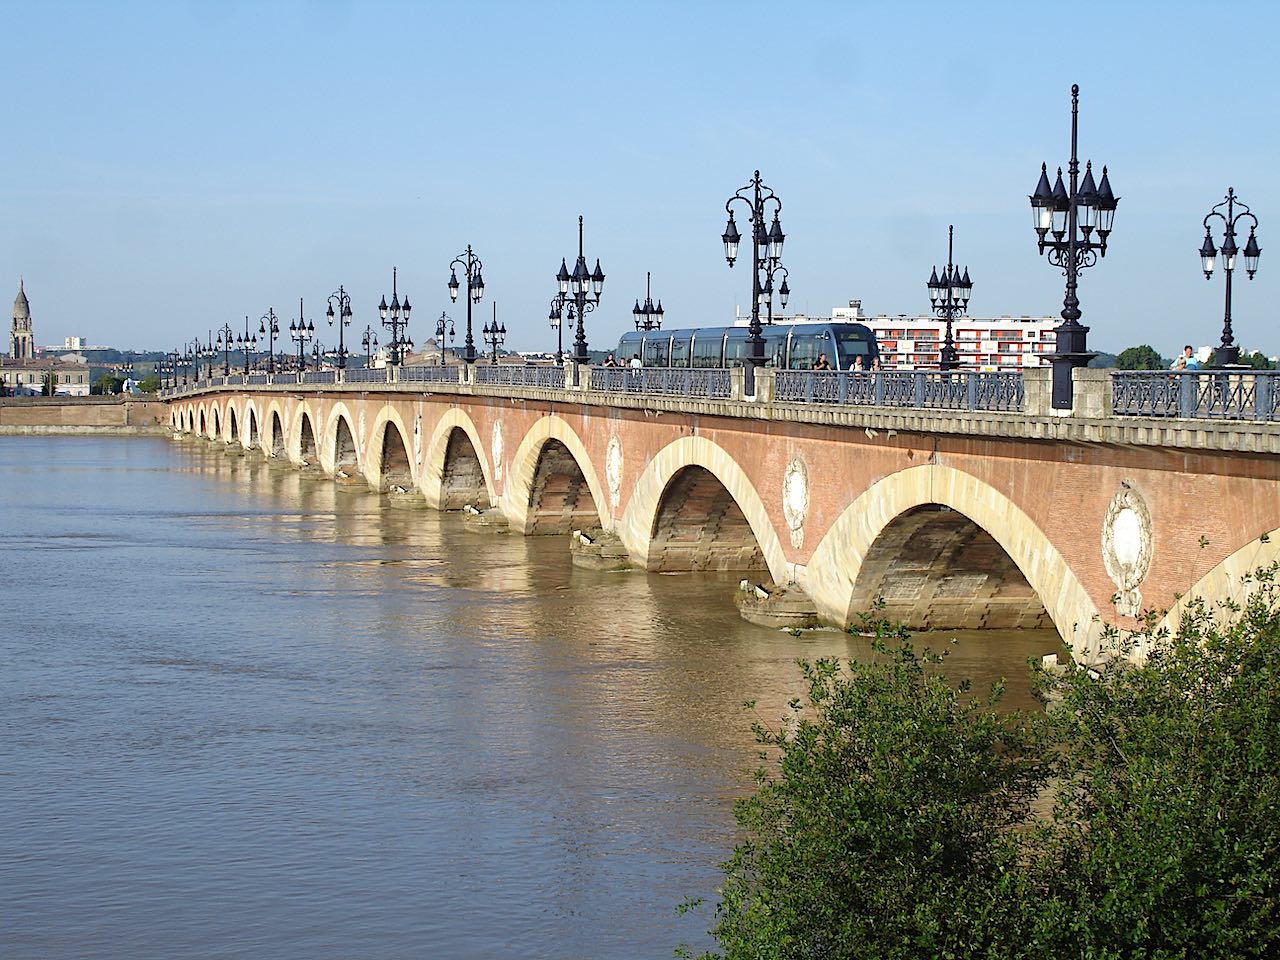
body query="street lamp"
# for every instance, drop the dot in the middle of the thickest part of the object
(948, 297)
(209, 353)
(270, 325)
(647, 317)
(248, 343)
(471, 269)
(495, 335)
(226, 336)
(556, 316)
(395, 317)
(343, 316)
(370, 342)
(784, 291)
(443, 325)
(300, 331)
(766, 252)
(1074, 218)
(1229, 352)
(192, 358)
(582, 288)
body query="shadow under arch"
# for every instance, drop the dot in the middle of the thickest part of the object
(454, 470)
(231, 423)
(215, 431)
(204, 427)
(658, 529)
(548, 472)
(251, 426)
(951, 511)
(388, 460)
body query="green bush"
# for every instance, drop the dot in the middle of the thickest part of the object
(899, 816)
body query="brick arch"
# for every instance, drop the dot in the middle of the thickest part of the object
(341, 450)
(303, 444)
(699, 526)
(252, 433)
(274, 442)
(204, 427)
(389, 459)
(935, 568)
(215, 427)
(232, 432)
(544, 489)
(642, 517)
(1227, 583)
(833, 572)
(445, 481)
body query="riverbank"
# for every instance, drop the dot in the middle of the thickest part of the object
(97, 416)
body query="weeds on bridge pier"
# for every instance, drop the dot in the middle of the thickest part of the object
(894, 818)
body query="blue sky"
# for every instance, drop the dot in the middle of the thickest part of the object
(171, 166)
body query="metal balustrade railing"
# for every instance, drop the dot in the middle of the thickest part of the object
(518, 375)
(366, 375)
(712, 383)
(319, 376)
(429, 374)
(1197, 394)
(923, 389)
(255, 379)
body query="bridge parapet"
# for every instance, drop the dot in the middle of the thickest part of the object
(1229, 411)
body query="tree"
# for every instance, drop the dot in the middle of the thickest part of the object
(107, 384)
(1143, 357)
(49, 384)
(1253, 360)
(1103, 361)
(149, 384)
(903, 817)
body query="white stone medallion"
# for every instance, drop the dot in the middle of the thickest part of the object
(795, 499)
(1126, 547)
(495, 448)
(613, 470)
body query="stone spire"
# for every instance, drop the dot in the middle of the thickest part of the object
(21, 341)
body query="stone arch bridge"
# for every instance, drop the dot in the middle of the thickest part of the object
(956, 519)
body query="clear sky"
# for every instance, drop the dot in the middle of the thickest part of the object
(170, 166)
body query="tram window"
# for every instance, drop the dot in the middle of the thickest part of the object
(655, 351)
(680, 351)
(775, 346)
(736, 348)
(706, 350)
(853, 345)
(805, 348)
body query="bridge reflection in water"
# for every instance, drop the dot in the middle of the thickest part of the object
(979, 517)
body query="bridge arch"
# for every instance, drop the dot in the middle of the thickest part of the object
(204, 427)
(455, 471)
(251, 426)
(848, 564)
(695, 468)
(389, 459)
(232, 433)
(544, 489)
(274, 442)
(303, 445)
(215, 431)
(341, 453)
(1227, 583)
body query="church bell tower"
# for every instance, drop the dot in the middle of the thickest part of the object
(21, 342)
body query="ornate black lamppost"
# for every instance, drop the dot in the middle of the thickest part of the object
(300, 331)
(582, 288)
(494, 335)
(556, 316)
(209, 352)
(443, 325)
(270, 326)
(1080, 221)
(248, 343)
(471, 269)
(766, 252)
(226, 336)
(784, 291)
(647, 317)
(370, 343)
(396, 317)
(343, 315)
(948, 297)
(1229, 352)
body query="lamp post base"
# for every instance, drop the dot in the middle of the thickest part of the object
(1072, 352)
(1226, 356)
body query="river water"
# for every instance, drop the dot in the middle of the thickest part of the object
(251, 715)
